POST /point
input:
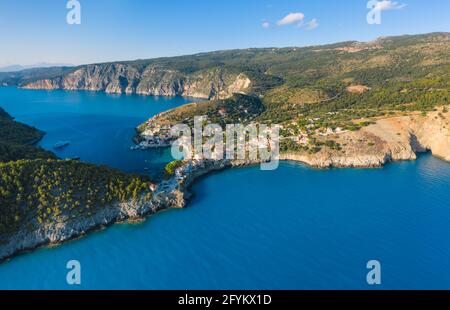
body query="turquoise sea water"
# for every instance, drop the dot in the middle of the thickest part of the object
(99, 127)
(293, 228)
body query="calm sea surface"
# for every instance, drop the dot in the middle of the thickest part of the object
(293, 228)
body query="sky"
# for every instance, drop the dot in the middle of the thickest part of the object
(112, 30)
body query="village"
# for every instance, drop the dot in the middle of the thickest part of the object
(238, 142)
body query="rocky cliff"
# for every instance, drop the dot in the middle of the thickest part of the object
(152, 80)
(171, 193)
(27, 239)
(389, 139)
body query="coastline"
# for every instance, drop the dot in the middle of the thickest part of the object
(56, 234)
(38, 139)
(399, 138)
(171, 194)
(197, 85)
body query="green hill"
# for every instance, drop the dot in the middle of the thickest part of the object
(346, 85)
(36, 188)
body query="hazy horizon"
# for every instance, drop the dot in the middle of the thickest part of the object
(123, 31)
(45, 64)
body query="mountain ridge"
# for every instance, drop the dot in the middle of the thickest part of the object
(41, 65)
(219, 74)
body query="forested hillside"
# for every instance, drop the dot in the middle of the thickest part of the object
(36, 188)
(308, 90)
(341, 87)
(393, 71)
(16, 140)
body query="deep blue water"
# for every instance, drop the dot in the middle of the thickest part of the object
(100, 127)
(293, 228)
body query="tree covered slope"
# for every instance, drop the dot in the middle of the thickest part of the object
(321, 92)
(38, 189)
(419, 61)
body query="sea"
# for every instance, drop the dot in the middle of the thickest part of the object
(292, 228)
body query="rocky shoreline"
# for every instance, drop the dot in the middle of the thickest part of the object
(153, 80)
(172, 193)
(58, 233)
(400, 138)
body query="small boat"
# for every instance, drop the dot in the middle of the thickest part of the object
(61, 145)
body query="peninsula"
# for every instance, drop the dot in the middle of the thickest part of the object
(348, 104)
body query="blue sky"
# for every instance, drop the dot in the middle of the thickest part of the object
(36, 31)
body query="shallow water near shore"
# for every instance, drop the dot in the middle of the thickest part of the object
(293, 228)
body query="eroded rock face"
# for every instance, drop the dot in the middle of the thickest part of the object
(27, 239)
(36, 235)
(433, 134)
(153, 80)
(390, 139)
